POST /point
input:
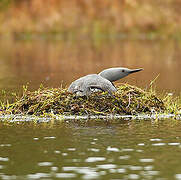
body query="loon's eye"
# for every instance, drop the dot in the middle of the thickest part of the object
(123, 70)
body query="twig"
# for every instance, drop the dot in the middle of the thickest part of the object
(129, 102)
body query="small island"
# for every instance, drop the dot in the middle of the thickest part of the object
(127, 100)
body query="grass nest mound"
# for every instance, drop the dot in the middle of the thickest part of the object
(127, 100)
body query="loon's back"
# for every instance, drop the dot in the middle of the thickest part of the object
(83, 85)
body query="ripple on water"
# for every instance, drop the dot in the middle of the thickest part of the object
(70, 168)
(125, 157)
(92, 175)
(65, 175)
(149, 173)
(75, 160)
(106, 166)
(64, 154)
(146, 160)
(36, 138)
(93, 149)
(54, 168)
(71, 149)
(45, 164)
(88, 173)
(174, 144)
(159, 144)
(135, 168)
(95, 159)
(121, 170)
(4, 159)
(112, 170)
(139, 150)
(5, 145)
(148, 168)
(153, 173)
(141, 144)
(49, 137)
(93, 143)
(127, 150)
(155, 139)
(102, 173)
(57, 152)
(5, 177)
(109, 148)
(178, 176)
(133, 176)
(38, 175)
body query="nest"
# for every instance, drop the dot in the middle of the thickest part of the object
(127, 100)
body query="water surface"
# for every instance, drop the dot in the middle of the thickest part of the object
(91, 150)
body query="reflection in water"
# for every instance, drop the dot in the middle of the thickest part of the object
(89, 151)
(56, 62)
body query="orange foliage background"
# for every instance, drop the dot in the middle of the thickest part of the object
(91, 16)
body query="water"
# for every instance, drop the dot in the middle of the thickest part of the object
(60, 62)
(91, 150)
(87, 148)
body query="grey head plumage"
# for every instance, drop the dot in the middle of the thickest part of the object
(84, 85)
(114, 74)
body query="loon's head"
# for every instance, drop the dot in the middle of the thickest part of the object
(114, 74)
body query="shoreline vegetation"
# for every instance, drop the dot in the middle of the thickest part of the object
(128, 100)
(24, 19)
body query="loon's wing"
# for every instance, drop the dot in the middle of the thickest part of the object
(92, 81)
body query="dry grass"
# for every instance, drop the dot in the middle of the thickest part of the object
(92, 17)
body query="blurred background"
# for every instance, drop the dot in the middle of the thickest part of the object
(55, 42)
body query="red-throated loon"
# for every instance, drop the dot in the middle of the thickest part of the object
(102, 81)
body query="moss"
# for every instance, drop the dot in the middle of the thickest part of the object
(127, 100)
